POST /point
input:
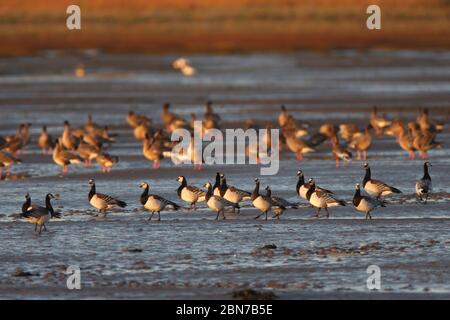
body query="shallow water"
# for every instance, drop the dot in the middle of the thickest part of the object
(188, 254)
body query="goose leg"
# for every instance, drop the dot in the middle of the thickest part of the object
(337, 163)
(259, 215)
(151, 216)
(365, 155)
(217, 217)
(35, 227)
(328, 214)
(223, 214)
(358, 155)
(159, 215)
(426, 198)
(40, 229)
(45, 228)
(318, 212)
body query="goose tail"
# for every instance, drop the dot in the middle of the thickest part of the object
(395, 190)
(121, 204)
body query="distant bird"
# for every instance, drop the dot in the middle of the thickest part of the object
(80, 71)
(102, 201)
(134, 119)
(376, 188)
(69, 141)
(185, 67)
(27, 205)
(45, 141)
(378, 122)
(347, 131)
(424, 186)
(366, 204)
(14, 143)
(296, 145)
(340, 152)
(64, 157)
(155, 203)
(7, 160)
(211, 119)
(216, 203)
(423, 140)
(106, 161)
(40, 215)
(283, 117)
(361, 142)
(216, 186)
(404, 139)
(171, 120)
(321, 200)
(88, 152)
(261, 202)
(190, 194)
(152, 149)
(141, 130)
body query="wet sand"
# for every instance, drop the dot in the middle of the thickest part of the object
(188, 255)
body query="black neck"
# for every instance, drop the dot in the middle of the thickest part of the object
(268, 193)
(181, 187)
(26, 205)
(255, 193)
(300, 182)
(209, 193)
(312, 188)
(92, 192)
(426, 174)
(144, 196)
(367, 176)
(217, 183)
(223, 187)
(48, 205)
(357, 197)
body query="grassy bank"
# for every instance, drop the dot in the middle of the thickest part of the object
(160, 26)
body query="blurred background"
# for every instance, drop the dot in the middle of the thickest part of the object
(221, 26)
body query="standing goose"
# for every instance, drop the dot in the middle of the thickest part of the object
(134, 119)
(152, 149)
(361, 142)
(106, 161)
(283, 117)
(296, 145)
(45, 141)
(102, 201)
(190, 194)
(64, 157)
(302, 187)
(69, 141)
(279, 205)
(27, 205)
(378, 122)
(364, 203)
(261, 202)
(404, 139)
(14, 143)
(217, 203)
(40, 215)
(339, 152)
(7, 160)
(88, 152)
(376, 188)
(424, 186)
(321, 200)
(232, 194)
(155, 203)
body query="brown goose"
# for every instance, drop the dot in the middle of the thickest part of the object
(106, 161)
(404, 139)
(68, 140)
(339, 152)
(134, 119)
(152, 149)
(297, 146)
(7, 160)
(64, 157)
(361, 142)
(378, 122)
(45, 141)
(423, 140)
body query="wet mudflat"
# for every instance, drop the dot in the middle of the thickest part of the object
(188, 254)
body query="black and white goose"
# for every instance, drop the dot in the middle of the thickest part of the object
(40, 215)
(424, 186)
(279, 205)
(190, 194)
(366, 204)
(302, 187)
(231, 193)
(217, 203)
(155, 203)
(102, 201)
(376, 188)
(261, 202)
(27, 205)
(321, 200)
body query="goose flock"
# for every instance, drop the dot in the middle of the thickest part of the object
(89, 142)
(220, 197)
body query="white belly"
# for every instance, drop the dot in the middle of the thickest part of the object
(261, 204)
(303, 191)
(232, 196)
(317, 201)
(153, 204)
(98, 203)
(188, 195)
(215, 204)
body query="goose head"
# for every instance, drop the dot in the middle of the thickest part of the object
(428, 164)
(366, 165)
(256, 180)
(207, 185)
(181, 179)
(357, 186)
(143, 185)
(91, 182)
(299, 173)
(27, 196)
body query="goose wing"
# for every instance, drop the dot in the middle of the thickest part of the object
(166, 201)
(35, 212)
(196, 190)
(282, 203)
(241, 192)
(226, 202)
(328, 197)
(381, 186)
(110, 200)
